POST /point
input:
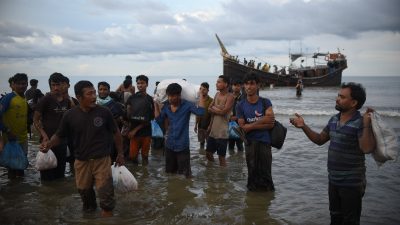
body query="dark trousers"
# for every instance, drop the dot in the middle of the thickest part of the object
(238, 142)
(259, 163)
(345, 204)
(178, 162)
(60, 152)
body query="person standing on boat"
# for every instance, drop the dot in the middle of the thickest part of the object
(220, 108)
(351, 137)
(256, 117)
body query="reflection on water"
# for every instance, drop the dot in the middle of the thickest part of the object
(214, 196)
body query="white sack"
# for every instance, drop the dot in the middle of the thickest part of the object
(386, 140)
(46, 161)
(123, 179)
(190, 92)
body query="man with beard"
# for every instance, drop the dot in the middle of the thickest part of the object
(350, 135)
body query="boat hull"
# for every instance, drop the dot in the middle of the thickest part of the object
(319, 77)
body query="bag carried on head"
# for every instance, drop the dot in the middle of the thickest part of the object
(13, 156)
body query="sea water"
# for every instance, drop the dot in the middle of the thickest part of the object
(218, 195)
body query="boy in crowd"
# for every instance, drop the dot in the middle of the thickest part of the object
(177, 111)
(256, 117)
(140, 111)
(203, 122)
(220, 108)
(47, 118)
(237, 94)
(14, 117)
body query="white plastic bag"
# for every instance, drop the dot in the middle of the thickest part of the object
(190, 91)
(123, 179)
(386, 140)
(46, 161)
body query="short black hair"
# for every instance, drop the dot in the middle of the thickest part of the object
(225, 78)
(127, 83)
(357, 93)
(20, 77)
(143, 78)
(174, 89)
(237, 81)
(128, 77)
(104, 84)
(251, 77)
(78, 88)
(33, 82)
(56, 78)
(65, 79)
(11, 80)
(205, 85)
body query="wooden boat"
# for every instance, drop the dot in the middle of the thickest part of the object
(327, 73)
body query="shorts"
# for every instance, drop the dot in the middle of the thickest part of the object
(218, 145)
(137, 143)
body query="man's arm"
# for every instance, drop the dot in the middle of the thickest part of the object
(227, 108)
(118, 144)
(46, 145)
(265, 122)
(318, 139)
(367, 140)
(38, 125)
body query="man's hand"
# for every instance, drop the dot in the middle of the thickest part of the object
(120, 160)
(44, 146)
(297, 121)
(367, 117)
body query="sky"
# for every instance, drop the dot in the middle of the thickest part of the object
(177, 37)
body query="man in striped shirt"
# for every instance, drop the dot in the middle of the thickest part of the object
(350, 135)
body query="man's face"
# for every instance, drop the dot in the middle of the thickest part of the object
(141, 85)
(221, 85)
(174, 99)
(56, 88)
(344, 101)
(20, 86)
(203, 91)
(103, 91)
(236, 88)
(64, 87)
(251, 87)
(88, 98)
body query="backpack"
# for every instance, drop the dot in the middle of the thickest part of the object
(142, 108)
(278, 132)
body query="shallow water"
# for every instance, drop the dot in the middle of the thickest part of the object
(218, 195)
(214, 196)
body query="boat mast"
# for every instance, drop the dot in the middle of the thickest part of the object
(224, 52)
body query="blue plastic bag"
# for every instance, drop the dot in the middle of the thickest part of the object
(232, 133)
(156, 131)
(13, 156)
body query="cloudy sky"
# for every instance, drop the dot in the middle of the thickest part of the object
(177, 37)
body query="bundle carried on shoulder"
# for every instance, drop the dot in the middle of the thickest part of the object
(387, 146)
(45, 160)
(189, 90)
(123, 179)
